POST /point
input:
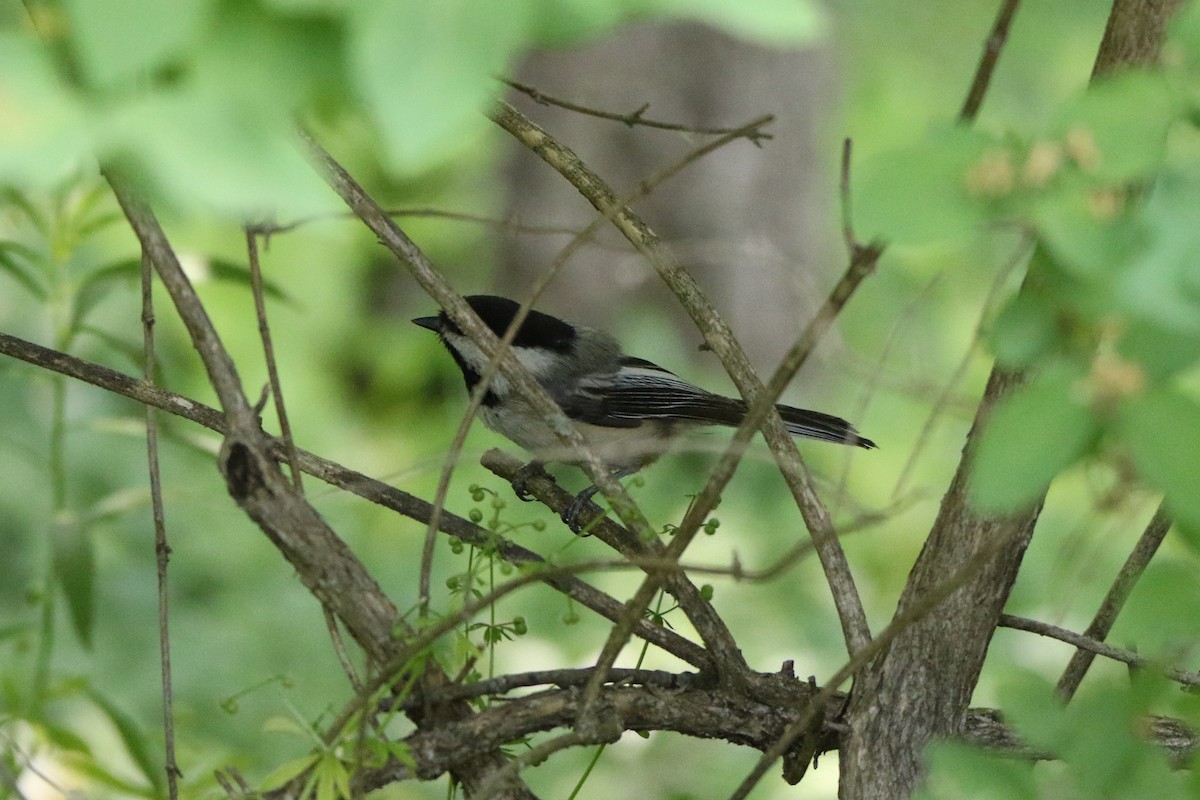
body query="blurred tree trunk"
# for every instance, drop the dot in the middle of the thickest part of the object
(754, 225)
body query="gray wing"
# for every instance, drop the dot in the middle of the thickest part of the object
(641, 390)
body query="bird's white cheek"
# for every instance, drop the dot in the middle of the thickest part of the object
(539, 362)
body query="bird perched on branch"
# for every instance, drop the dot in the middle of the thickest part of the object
(628, 410)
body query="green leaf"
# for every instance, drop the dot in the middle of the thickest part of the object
(1183, 44)
(1161, 351)
(1094, 737)
(12, 255)
(42, 133)
(565, 22)
(99, 284)
(117, 40)
(1122, 120)
(333, 779)
(233, 272)
(779, 22)
(75, 568)
(1162, 283)
(64, 738)
(284, 773)
(222, 134)
(1025, 330)
(426, 70)
(1031, 435)
(919, 194)
(958, 770)
(1159, 620)
(136, 742)
(1161, 428)
(1088, 244)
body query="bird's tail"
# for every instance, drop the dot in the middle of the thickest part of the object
(815, 425)
(798, 421)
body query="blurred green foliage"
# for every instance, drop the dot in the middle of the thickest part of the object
(1094, 189)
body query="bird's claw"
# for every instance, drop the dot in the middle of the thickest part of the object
(520, 481)
(570, 514)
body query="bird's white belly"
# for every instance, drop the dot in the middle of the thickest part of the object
(616, 447)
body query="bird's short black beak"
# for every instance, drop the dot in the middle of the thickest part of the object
(432, 323)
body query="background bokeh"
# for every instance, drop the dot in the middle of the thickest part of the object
(760, 228)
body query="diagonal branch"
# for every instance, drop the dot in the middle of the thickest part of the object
(326, 566)
(919, 689)
(354, 482)
(1114, 601)
(722, 342)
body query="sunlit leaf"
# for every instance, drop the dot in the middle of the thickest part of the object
(117, 40)
(1034, 433)
(427, 70)
(920, 194)
(1161, 428)
(769, 21)
(1162, 283)
(42, 134)
(136, 742)
(286, 772)
(1117, 130)
(333, 779)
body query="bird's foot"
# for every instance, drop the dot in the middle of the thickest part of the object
(570, 514)
(520, 481)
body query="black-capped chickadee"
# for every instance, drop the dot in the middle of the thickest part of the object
(627, 409)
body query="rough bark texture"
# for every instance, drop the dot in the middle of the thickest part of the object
(919, 689)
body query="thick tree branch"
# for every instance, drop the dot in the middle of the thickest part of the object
(707, 712)
(326, 566)
(919, 689)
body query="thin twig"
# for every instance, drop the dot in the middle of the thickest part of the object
(719, 337)
(271, 229)
(987, 60)
(162, 551)
(1136, 563)
(960, 371)
(392, 237)
(325, 564)
(339, 476)
(1095, 647)
(264, 331)
(415, 647)
(711, 628)
(636, 117)
(339, 646)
